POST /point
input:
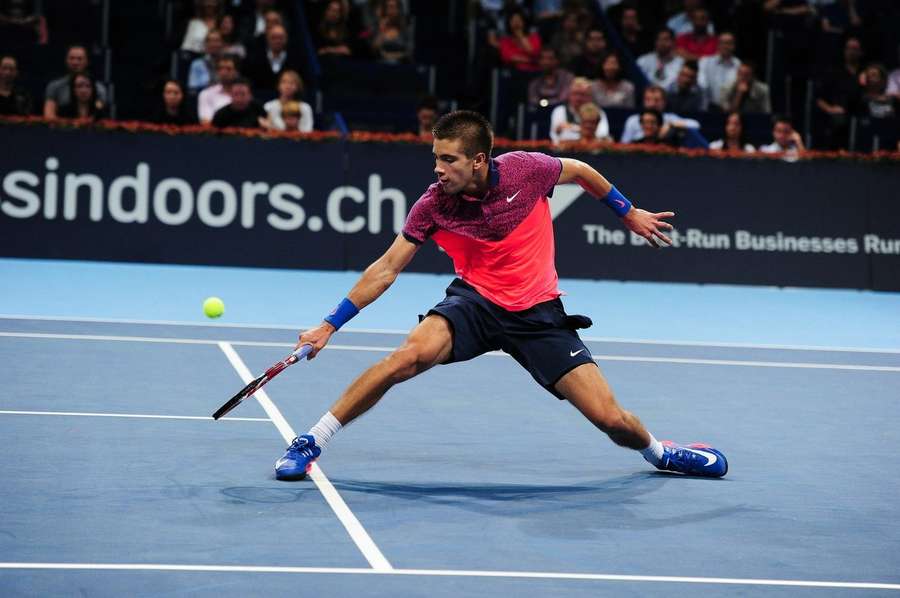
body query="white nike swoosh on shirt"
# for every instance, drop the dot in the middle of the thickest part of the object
(574, 353)
(513, 196)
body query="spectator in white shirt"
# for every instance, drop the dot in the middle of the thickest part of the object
(290, 88)
(655, 99)
(217, 96)
(565, 120)
(681, 22)
(203, 69)
(893, 86)
(718, 72)
(786, 141)
(206, 15)
(662, 65)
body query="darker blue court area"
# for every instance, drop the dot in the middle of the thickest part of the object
(470, 467)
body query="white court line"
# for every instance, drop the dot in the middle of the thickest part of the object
(595, 339)
(344, 514)
(854, 585)
(133, 415)
(632, 358)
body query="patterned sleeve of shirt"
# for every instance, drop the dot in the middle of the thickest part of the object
(420, 221)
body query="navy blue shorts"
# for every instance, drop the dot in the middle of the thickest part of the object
(541, 338)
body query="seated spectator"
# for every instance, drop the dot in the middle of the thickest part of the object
(392, 43)
(734, 140)
(519, 48)
(681, 22)
(654, 132)
(685, 95)
(589, 63)
(838, 94)
(333, 34)
(718, 72)
(85, 105)
(747, 94)
(633, 34)
(57, 93)
(290, 90)
(612, 90)
(271, 18)
(426, 117)
(552, 85)
(568, 40)
(242, 111)
(206, 15)
(14, 100)
(263, 67)
(565, 120)
(216, 96)
(590, 115)
(253, 25)
(291, 116)
(698, 43)
(202, 72)
(231, 43)
(655, 99)
(21, 24)
(785, 140)
(874, 100)
(893, 86)
(173, 109)
(662, 65)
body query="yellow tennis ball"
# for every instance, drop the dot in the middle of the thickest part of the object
(213, 307)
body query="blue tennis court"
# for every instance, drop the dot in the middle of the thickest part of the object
(468, 480)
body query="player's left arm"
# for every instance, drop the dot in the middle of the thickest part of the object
(649, 225)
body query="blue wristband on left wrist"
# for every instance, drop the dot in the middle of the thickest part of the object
(617, 202)
(342, 314)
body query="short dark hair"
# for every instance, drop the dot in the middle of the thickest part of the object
(427, 102)
(655, 113)
(227, 58)
(243, 81)
(668, 30)
(782, 118)
(471, 127)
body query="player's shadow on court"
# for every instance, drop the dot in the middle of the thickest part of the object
(570, 510)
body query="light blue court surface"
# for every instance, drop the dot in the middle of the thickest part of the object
(469, 480)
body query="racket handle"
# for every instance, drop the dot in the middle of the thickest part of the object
(302, 352)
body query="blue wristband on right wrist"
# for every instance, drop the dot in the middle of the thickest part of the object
(342, 314)
(617, 202)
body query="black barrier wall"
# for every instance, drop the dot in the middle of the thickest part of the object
(85, 194)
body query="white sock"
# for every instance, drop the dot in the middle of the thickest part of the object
(327, 427)
(653, 453)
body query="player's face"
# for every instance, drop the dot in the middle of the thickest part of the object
(454, 170)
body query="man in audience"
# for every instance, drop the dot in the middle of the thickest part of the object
(242, 111)
(565, 120)
(590, 62)
(426, 116)
(662, 65)
(654, 131)
(202, 72)
(785, 140)
(552, 85)
(14, 100)
(718, 72)
(698, 43)
(217, 96)
(747, 94)
(685, 95)
(264, 66)
(655, 99)
(838, 93)
(633, 34)
(681, 22)
(58, 92)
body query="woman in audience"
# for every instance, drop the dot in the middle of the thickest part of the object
(391, 42)
(519, 49)
(173, 110)
(231, 42)
(612, 90)
(734, 139)
(333, 33)
(206, 15)
(84, 104)
(290, 89)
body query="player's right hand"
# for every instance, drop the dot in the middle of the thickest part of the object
(318, 337)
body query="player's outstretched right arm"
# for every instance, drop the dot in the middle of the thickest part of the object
(376, 279)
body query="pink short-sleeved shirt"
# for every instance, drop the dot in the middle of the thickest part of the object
(501, 244)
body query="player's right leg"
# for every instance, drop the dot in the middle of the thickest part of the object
(429, 343)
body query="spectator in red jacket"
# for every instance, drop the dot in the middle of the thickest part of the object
(519, 48)
(699, 42)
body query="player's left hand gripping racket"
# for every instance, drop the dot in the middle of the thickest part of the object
(259, 382)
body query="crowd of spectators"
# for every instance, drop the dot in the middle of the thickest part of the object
(668, 62)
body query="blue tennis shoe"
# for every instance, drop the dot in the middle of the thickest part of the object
(693, 459)
(298, 459)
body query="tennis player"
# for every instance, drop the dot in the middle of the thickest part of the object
(492, 217)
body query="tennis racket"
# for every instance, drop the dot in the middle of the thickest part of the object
(259, 382)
